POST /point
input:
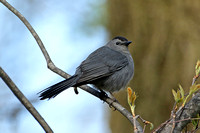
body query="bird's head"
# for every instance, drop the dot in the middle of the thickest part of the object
(119, 43)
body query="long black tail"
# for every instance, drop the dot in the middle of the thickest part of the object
(54, 90)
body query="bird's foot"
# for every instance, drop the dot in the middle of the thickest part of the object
(103, 94)
(113, 101)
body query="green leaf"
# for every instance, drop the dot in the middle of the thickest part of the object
(151, 126)
(197, 68)
(195, 122)
(181, 91)
(178, 96)
(174, 94)
(194, 88)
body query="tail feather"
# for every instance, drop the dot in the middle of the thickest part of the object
(54, 90)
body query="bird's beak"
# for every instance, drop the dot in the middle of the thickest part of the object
(127, 43)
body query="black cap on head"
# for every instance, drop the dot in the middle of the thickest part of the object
(120, 38)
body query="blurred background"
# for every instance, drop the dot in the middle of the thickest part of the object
(165, 48)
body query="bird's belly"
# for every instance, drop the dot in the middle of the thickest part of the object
(115, 82)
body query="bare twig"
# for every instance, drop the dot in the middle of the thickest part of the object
(50, 64)
(24, 101)
(179, 119)
(195, 79)
(144, 127)
(60, 72)
(184, 120)
(134, 124)
(194, 131)
(191, 109)
(173, 115)
(145, 123)
(161, 126)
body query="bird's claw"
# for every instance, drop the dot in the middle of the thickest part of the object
(104, 94)
(111, 104)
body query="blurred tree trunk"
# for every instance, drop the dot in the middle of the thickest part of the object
(165, 48)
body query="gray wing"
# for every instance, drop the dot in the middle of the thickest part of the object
(99, 64)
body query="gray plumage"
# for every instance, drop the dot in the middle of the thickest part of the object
(109, 68)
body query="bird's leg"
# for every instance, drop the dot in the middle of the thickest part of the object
(104, 94)
(113, 98)
(76, 90)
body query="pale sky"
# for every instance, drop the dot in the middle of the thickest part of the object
(59, 26)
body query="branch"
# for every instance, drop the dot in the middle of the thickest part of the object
(191, 109)
(60, 72)
(24, 101)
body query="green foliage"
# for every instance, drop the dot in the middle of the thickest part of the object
(131, 101)
(197, 69)
(195, 122)
(165, 37)
(151, 126)
(179, 96)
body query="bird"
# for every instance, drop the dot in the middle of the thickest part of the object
(109, 68)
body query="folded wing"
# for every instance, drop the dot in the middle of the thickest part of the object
(101, 63)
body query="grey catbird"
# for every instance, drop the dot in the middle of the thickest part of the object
(109, 68)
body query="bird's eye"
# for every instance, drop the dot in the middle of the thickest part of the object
(117, 43)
